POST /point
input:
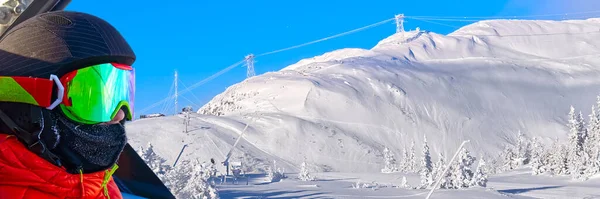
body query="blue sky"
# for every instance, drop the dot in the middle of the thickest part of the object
(200, 38)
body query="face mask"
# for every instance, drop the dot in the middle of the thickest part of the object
(88, 148)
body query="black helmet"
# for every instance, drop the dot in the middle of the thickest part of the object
(59, 42)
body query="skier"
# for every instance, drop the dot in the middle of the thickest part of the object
(66, 89)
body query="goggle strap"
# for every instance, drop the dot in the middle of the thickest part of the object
(35, 91)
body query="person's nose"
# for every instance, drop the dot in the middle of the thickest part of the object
(120, 116)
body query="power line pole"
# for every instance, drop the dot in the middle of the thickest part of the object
(400, 24)
(250, 66)
(176, 94)
(186, 121)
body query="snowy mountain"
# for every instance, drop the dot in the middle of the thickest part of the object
(483, 82)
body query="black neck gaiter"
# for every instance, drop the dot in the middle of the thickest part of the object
(88, 148)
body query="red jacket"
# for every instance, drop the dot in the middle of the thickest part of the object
(25, 175)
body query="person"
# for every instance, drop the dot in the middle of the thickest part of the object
(66, 91)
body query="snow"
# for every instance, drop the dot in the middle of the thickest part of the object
(485, 82)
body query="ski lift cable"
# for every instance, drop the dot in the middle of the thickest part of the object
(190, 101)
(193, 94)
(433, 22)
(205, 80)
(166, 103)
(477, 20)
(326, 38)
(443, 19)
(507, 16)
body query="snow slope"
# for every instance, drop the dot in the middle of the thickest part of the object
(483, 82)
(514, 184)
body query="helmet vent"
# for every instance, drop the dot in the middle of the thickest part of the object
(58, 20)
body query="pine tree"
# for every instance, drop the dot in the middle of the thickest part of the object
(583, 132)
(189, 181)
(178, 177)
(440, 165)
(304, 174)
(438, 168)
(594, 128)
(592, 144)
(411, 158)
(577, 138)
(155, 162)
(538, 158)
(390, 161)
(197, 186)
(523, 151)
(462, 173)
(480, 177)
(404, 163)
(559, 162)
(508, 159)
(577, 132)
(426, 167)
(594, 163)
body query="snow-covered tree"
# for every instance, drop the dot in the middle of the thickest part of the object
(438, 169)
(390, 161)
(178, 177)
(522, 150)
(508, 159)
(462, 173)
(592, 144)
(304, 174)
(480, 176)
(439, 166)
(155, 162)
(426, 166)
(495, 164)
(539, 158)
(593, 166)
(594, 128)
(577, 132)
(404, 183)
(558, 164)
(187, 180)
(275, 174)
(404, 163)
(577, 138)
(197, 186)
(411, 157)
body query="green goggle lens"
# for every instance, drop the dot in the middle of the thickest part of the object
(95, 94)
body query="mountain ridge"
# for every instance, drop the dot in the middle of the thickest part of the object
(340, 109)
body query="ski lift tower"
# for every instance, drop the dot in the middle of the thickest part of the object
(250, 65)
(176, 94)
(400, 23)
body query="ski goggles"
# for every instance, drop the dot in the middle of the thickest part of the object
(89, 95)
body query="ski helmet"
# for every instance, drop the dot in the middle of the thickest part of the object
(59, 42)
